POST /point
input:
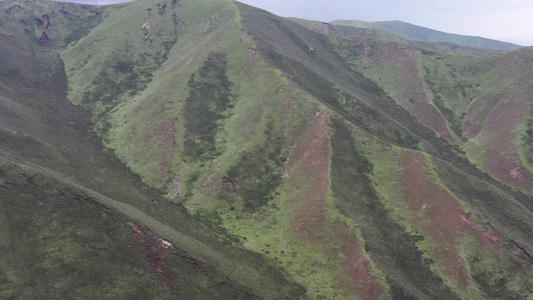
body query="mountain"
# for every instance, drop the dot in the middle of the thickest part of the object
(207, 149)
(383, 34)
(414, 32)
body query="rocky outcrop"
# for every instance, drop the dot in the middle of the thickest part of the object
(44, 38)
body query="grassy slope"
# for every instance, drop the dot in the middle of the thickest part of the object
(414, 32)
(50, 159)
(276, 143)
(295, 57)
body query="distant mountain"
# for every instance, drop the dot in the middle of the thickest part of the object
(207, 149)
(378, 33)
(419, 33)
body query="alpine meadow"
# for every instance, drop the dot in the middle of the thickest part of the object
(207, 149)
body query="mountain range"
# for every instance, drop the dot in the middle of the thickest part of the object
(207, 149)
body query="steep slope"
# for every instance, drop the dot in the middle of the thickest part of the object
(75, 221)
(307, 58)
(419, 33)
(208, 149)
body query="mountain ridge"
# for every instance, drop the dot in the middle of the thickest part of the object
(311, 165)
(415, 32)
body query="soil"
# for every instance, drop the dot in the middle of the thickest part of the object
(486, 235)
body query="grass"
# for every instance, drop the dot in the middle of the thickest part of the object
(219, 97)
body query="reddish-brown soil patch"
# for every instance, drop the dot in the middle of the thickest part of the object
(435, 214)
(310, 159)
(488, 235)
(357, 275)
(154, 253)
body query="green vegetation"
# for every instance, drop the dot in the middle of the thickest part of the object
(209, 98)
(281, 158)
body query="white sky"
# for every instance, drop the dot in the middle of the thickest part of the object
(505, 20)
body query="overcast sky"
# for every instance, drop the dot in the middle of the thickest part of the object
(506, 20)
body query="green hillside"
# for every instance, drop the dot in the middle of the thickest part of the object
(207, 149)
(414, 32)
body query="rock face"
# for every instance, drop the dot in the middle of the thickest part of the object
(15, 8)
(46, 21)
(44, 38)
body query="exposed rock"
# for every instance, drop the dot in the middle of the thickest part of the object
(228, 182)
(39, 21)
(162, 9)
(15, 8)
(46, 21)
(44, 38)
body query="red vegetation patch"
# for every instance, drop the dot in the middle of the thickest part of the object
(502, 158)
(309, 222)
(228, 183)
(166, 132)
(357, 274)
(138, 232)
(435, 214)
(431, 117)
(310, 158)
(402, 67)
(154, 253)
(92, 202)
(506, 170)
